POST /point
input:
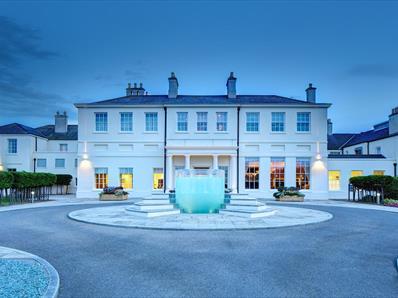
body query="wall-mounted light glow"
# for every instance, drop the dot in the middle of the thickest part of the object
(318, 156)
(85, 156)
(1, 167)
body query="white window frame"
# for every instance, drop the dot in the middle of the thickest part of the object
(278, 122)
(222, 121)
(126, 127)
(301, 122)
(151, 126)
(250, 120)
(256, 179)
(63, 145)
(12, 146)
(306, 163)
(182, 122)
(101, 126)
(41, 160)
(201, 121)
(57, 166)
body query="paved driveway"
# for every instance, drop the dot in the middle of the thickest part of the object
(351, 255)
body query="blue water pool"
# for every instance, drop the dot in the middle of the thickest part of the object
(199, 191)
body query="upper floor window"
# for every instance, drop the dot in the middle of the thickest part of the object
(303, 172)
(101, 121)
(252, 119)
(201, 124)
(278, 121)
(221, 121)
(41, 163)
(358, 151)
(126, 121)
(63, 147)
(182, 121)
(303, 121)
(12, 146)
(60, 163)
(151, 121)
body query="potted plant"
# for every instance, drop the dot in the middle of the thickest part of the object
(289, 194)
(113, 194)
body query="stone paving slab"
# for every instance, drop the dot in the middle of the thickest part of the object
(120, 217)
(23, 261)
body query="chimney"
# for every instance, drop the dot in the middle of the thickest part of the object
(129, 90)
(311, 94)
(173, 86)
(231, 86)
(393, 121)
(330, 127)
(61, 123)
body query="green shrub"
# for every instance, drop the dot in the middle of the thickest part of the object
(31, 180)
(371, 182)
(6, 180)
(288, 191)
(63, 179)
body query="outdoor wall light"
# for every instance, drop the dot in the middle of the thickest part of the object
(85, 156)
(318, 156)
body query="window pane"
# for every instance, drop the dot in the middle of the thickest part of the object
(201, 124)
(12, 146)
(101, 178)
(252, 119)
(63, 147)
(334, 180)
(126, 178)
(378, 172)
(278, 121)
(252, 169)
(303, 171)
(356, 173)
(221, 121)
(158, 178)
(151, 121)
(101, 121)
(126, 121)
(41, 162)
(303, 121)
(226, 170)
(60, 163)
(182, 121)
(277, 175)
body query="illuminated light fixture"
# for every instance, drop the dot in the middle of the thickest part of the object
(85, 156)
(318, 156)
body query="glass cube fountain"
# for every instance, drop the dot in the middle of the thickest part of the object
(199, 191)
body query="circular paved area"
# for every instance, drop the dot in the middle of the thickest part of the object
(119, 216)
(351, 255)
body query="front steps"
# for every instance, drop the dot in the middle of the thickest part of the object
(246, 206)
(153, 206)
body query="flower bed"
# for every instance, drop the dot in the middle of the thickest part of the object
(391, 203)
(113, 194)
(289, 194)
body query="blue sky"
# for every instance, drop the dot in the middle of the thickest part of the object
(54, 54)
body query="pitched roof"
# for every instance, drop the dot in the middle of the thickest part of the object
(49, 133)
(19, 129)
(356, 156)
(368, 136)
(199, 100)
(336, 141)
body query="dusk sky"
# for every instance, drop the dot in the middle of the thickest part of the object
(54, 54)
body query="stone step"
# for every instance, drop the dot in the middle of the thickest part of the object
(150, 207)
(153, 213)
(247, 208)
(158, 196)
(249, 214)
(242, 197)
(245, 202)
(153, 201)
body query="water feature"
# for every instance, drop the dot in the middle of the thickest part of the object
(199, 191)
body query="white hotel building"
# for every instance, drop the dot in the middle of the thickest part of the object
(260, 141)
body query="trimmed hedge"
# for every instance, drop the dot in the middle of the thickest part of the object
(32, 180)
(63, 179)
(376, 183)
(6, 180)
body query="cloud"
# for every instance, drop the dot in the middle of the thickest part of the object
(374, 70)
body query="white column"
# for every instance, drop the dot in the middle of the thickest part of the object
(187, 162)
(234, 174)
(215, 162)
(169, 172)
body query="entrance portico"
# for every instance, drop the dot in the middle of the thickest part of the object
(223, 158)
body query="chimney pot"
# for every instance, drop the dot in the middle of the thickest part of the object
(61, 122)
(311, 93)
(173, 86)
(231, 86)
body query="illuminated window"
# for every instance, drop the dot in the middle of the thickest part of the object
(126, 178)
(151, 121)
(63, 147)
(356, 173)
(41, 163)
(12, 146)
(201, 124)
(101, 121)
(277, 172)
(182, 121)
(158, 178)
(334, 180)
(278, 121)
(221, 121)
(252, 119)
(303, 121)
(126, 121)
(303, 171)
(378, 172)
(101, 178)
(252, 169)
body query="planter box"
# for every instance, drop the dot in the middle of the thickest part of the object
(290, 199)
(108, 197)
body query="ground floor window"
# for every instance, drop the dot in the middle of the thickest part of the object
(378, 172)
(158, 178)
(252, 169)
(277, 174)
(303, 171)
(41, 163)
(334, 180)
(126, 178)
(101, 178)
(226, 174)
(356, 173)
